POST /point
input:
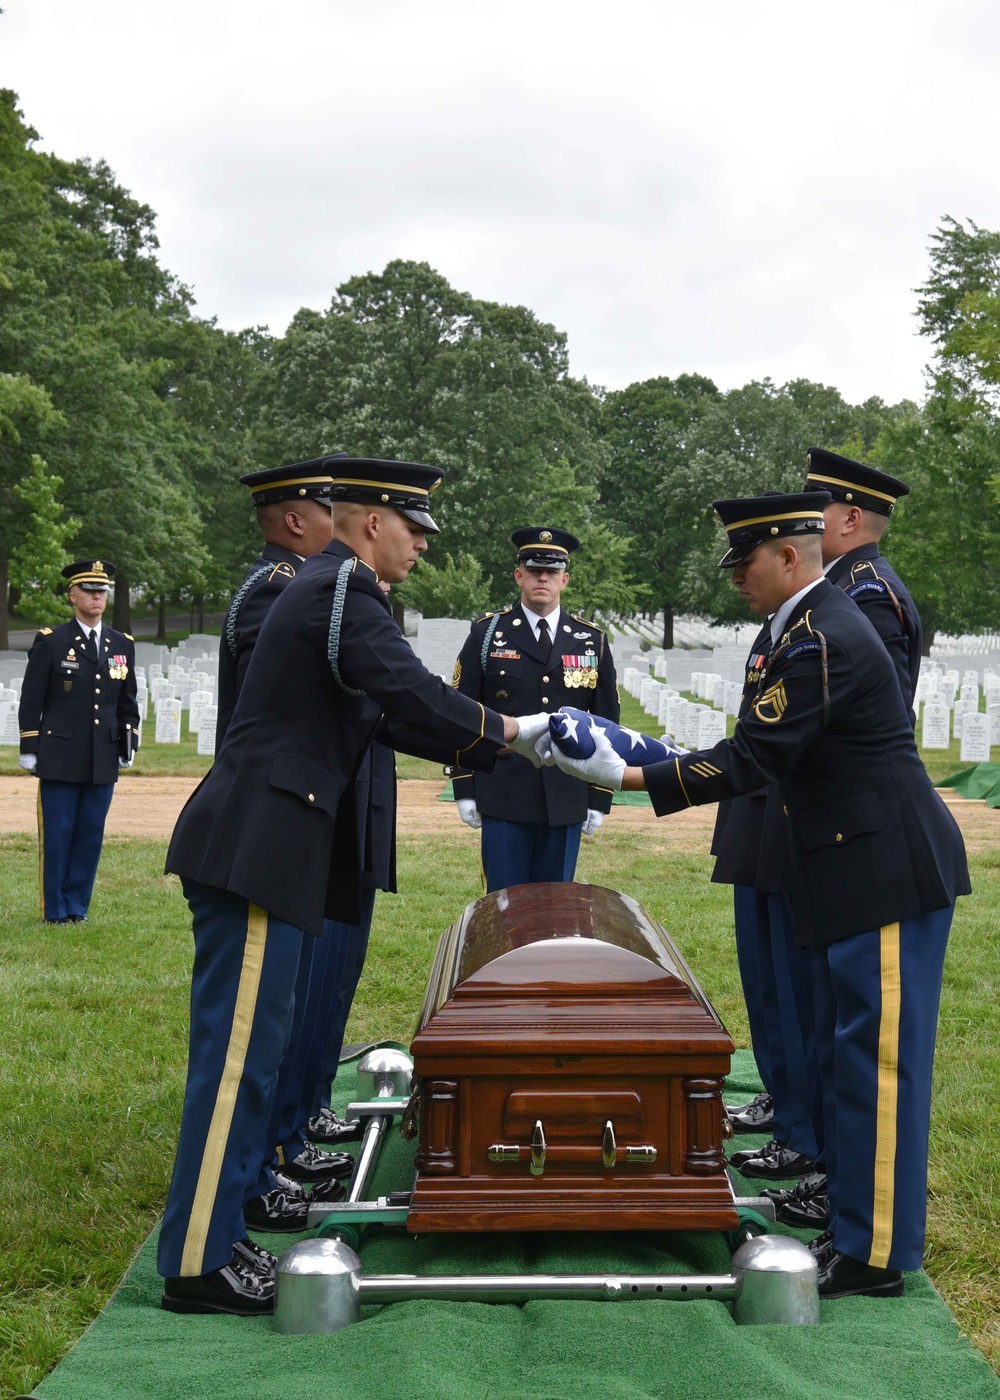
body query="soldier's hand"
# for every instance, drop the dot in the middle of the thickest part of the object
(29, 762)
(603, 767)
(593, 822)
(125, 763)
(469, 813)
(530, 729)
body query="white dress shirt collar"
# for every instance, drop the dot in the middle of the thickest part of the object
(780, 618)
(534, 619)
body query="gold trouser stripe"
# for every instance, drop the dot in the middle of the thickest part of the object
(206, 1190)
(41, 852)
(888, 1096)
(482, 868)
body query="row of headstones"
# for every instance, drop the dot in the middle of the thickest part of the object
(976, 730)
(190, 684)
(947, 705)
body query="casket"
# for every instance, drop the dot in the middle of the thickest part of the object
(568, 1072)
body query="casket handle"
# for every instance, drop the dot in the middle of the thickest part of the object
(537, 1159)
(609, 1148)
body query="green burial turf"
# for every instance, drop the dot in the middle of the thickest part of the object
(863, 1349)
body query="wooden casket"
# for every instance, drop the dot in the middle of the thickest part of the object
(568, 1072)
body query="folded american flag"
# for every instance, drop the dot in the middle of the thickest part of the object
(574, 731)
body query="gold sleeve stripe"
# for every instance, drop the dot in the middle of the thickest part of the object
(704, 770)
(680, 779)
(29, 733)
(482, 731)
(888, 1095)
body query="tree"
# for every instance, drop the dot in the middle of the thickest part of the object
(39, 555)
(455, 588)
(404, 365)
(650, 488)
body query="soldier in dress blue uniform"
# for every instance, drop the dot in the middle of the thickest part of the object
(294, 512)
(876, 865)
(861, 503)
(79, 723)
(534, 656)
(269, 846)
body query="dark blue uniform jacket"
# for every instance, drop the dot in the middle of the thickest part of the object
(871, 841)
(276, 817)
(73, 710)
(514, 678)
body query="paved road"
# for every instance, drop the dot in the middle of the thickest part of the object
(143, 628)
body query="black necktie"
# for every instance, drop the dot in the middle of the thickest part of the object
(544, 639)
(91, 646)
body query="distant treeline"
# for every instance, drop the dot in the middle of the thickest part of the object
(126, 421)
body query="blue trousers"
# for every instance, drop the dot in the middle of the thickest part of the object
(876, 999)
(775, 990)
(526, 853)
(71, 820)
(242, 998)
(329, 971)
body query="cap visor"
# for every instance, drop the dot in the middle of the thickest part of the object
(421, 518)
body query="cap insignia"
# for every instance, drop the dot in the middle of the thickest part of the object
(545, 537)
(98, 567)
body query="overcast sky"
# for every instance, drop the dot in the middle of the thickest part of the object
(730, 187)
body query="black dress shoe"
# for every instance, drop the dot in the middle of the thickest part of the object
(773, 1161)
(821, 1245)
(77, 919)
(840, 1276)
(328, 1191)
(807, 1207)
(260, 1259)
(235, 1288)
(312, 1164)
(757, 1116)
(327, 1126)
(277, 1212)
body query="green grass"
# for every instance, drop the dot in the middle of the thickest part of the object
(93, 1024)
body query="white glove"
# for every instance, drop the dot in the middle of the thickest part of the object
(530, 729)
(468, 812)
(29, 762)
(125, 762)
(543, 749)
(603, 767)
(593, 822)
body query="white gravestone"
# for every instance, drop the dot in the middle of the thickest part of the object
(994, 713)
(691, 721)
(975, 739)
(206, 730)
(677, 708)
(697, 683)
(666, 695)
(9, 732)
(142, 699)
(199, 702)
(731, 698)
(959, 710)
(936, 733)
(6, 694)
(168, 723)
(711, 728)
